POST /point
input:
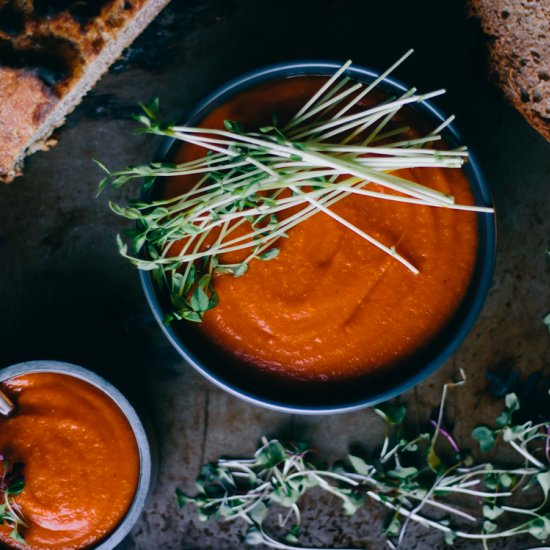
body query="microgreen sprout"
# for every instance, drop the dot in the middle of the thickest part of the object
(417, 478)
(253, 187)
(11, 485)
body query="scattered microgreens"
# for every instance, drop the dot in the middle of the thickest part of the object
(411, 476)
(11, 485)
(265, 182)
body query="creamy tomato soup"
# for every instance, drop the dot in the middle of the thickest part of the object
(80, 457)
(331, 306)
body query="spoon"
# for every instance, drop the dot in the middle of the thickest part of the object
(6, 405)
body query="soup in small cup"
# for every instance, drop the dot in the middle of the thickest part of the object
(332, 323)
(82, 453)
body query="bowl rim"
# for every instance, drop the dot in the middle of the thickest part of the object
(484, 265)
(144, 484)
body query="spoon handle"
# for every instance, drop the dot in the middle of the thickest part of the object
(6, 406)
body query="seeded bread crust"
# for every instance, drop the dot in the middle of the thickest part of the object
(519, 54)
(51, 55)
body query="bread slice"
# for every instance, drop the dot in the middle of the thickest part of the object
(519, 54)
(51, 54)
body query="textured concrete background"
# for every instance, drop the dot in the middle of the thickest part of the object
(66, 294)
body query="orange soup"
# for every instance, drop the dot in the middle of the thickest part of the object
(80, 456)
(331, 306)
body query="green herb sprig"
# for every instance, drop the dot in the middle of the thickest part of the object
(410, 476)
(253, 187)
(11, 485)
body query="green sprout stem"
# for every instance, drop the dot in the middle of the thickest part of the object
(265, 182)
(11, 485)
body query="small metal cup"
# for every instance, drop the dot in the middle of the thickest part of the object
(144, 438)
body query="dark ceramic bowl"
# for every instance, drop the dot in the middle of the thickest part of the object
(144, 438)
(308, 399)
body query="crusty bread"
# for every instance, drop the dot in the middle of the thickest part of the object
(519, 54)
(51, 54)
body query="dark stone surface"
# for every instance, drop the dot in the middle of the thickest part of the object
(66, 294)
